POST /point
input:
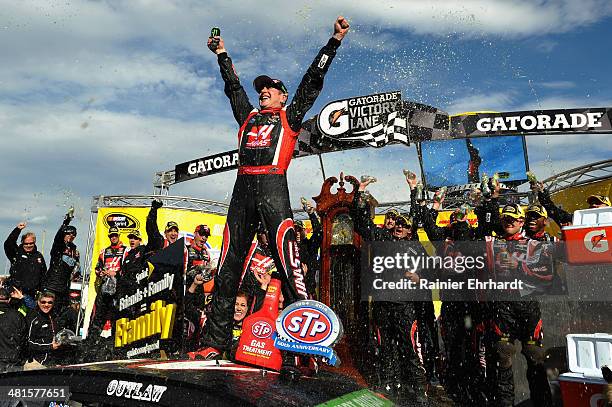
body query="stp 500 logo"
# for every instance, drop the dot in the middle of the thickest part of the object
(309, 322)
(261, 329)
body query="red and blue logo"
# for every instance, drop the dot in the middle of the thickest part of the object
(261, 329)
(309, 327)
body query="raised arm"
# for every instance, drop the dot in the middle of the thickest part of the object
(312, 82)
(10, 244)
(155, 240)
(241, 107)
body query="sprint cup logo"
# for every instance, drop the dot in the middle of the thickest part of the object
(122, 221)
(261, 329)
(309, 327)
(596, 241)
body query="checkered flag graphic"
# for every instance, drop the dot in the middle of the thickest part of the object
(394, 129)
(425, 122)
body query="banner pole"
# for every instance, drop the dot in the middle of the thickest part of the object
(322, 168)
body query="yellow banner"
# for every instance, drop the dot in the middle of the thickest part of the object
(128, 219)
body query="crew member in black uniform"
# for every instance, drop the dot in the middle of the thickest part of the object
(64, 263)
(266, 142)
(399, 373)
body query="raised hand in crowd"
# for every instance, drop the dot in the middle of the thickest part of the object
(21, 225)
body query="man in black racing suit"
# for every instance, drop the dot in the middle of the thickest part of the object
(266, 142)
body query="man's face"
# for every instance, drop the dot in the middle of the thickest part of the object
(28, 244)
(114, 239)
(389, 222)
(134, 242)
(69, 238)
(172, 235)
(512, 225)
(271, 98)
(535, 222)
(401, 231)
(199, 240)
(240, 308)
(46, 304)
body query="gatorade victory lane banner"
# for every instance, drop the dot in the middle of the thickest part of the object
(384, 118)
(128, 219)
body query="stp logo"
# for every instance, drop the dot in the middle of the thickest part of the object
(307, 325)
(261, 329)
(309, 322)
(595, 241)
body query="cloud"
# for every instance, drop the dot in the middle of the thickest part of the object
(558, 85)
(496, 101)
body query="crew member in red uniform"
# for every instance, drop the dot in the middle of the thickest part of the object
(266, 142)
(108, 269)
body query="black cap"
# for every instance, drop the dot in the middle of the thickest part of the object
(134, 234)
(203, 230)
(265, 81)
(113, 230)
(171, 225)
(70, 230)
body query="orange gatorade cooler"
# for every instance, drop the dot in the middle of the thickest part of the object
(588, 239)
(256, 345)
(580, 391)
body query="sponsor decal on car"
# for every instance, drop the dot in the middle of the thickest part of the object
(309, 327)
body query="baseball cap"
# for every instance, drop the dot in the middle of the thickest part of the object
(202, 230)
(598, 199)
(134, 234)
(74, 297)
(392, 214)
(298, 224)
(264, 81)
(402, 220)
(539, 209)
(513, 210)
(171, 225)
(113, 230)
(70, 230)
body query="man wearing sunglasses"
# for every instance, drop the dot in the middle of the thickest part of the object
(42, 328)
(28, 265)
(266, 140)
(520, 319)
(64, 263)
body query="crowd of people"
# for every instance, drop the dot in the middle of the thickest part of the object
(36, 301)
(478, 332)
(477, 336)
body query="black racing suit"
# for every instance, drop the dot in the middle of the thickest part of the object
(309, 254)
(12, 337)
(64, 262)
(111, 260)
(27, 268)
(461, 320)
(512, 320)
(554, 212)
(266, 142)
(399, 373)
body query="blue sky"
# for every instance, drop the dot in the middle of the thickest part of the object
(96, 96)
